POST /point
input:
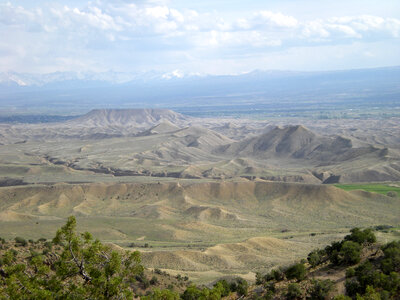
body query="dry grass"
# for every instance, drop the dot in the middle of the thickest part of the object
(222, 227)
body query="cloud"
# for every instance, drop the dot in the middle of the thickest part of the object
(93, 17)
(11, 15)
(157, 12)
(315, 29)
(357, 27)
(153, 33)
(276, 19)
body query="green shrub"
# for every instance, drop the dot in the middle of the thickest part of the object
(269, 295)
(392, 194)
(294, 291)
(145, 283)
(361, 236)
(20, 241)
(297, 271)
(153, 280)
(275, 274)
(221, 289)
(316, 257)
(391, 260)
(240, 286)
(352, 287)
(333, 251)
(350, 253)
(84, 269)
(341, 297)
(365, 274)
(259, 278)
(383, 227)
(350, 272)
(192, 292)
(320, 289)
(33, 252)
(225, 287)
(368, 275)
(48, 245)
(370, 294)
(158, 271)
(161, 295)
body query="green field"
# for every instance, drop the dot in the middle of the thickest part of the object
(370, 187)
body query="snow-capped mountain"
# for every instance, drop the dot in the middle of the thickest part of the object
(111, 77)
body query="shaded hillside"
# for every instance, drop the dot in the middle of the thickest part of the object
(298, 142)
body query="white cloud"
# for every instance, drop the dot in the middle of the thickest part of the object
(174, 74)
(10, 14)
(157, 12)
(315, 29)
(103, 34)
(96, 18)
(357, 27)
(91, 16)
(346, 30)
(239, 39)
(177, 16)
(276, 19)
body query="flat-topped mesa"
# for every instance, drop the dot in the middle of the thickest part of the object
(130, 117)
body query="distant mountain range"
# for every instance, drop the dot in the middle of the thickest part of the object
(68, 79)
(57, 92)
(92, 78)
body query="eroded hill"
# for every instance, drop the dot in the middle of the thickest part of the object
(162, 143)
(205, 229)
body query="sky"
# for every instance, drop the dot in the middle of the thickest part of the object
(197, 37)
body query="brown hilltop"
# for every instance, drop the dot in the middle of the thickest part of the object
(202, 201)
(290, 141)
(298, 142)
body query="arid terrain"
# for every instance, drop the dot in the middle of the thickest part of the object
(205, 197)
(162, 143)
